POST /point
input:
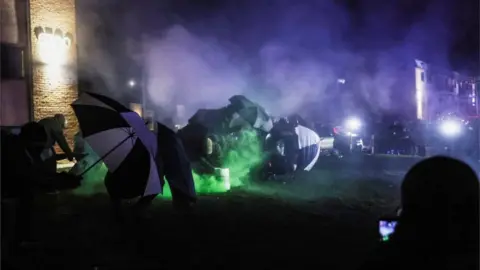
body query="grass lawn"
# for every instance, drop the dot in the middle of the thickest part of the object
(328, 219)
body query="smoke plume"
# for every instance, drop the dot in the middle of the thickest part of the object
(286, 55)
(100, 47)
(293, 61)
(187, 70)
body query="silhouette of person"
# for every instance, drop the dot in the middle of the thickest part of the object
(54, 127)
(24, 174)
(284, 131)
(438, 226)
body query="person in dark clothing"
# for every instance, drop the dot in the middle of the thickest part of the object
(193, 138)
(438, 226)
(177, 167)
(23, 174)
(54, 127)
(284, 131)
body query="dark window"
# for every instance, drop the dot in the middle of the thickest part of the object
(422, 76)
(12, 62)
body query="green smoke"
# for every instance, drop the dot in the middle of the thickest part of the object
(204, 184)
(242, 154)
(92, 182)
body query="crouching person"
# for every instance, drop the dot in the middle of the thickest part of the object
(54, 127)
(24, 175)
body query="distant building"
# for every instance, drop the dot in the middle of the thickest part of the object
(38, 61)
(440, 90)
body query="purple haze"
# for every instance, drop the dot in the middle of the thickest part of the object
(287, 55)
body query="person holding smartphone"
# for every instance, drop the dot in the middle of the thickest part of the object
(438, 226)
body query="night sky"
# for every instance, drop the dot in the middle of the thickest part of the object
(290, 51)
(440, 31)
(373, 24)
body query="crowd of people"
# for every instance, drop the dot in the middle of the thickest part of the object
(438, 226)
(29, 167)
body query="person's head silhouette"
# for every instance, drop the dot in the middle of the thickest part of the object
(34, 137)
(440, 198)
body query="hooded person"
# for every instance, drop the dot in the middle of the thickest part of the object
(54, 127)
(438, 225)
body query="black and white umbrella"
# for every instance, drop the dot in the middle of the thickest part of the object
(240, 101)
(253, 116)
(123, 142)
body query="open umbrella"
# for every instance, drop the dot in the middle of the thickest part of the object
(240, 101)
(212, 119)
(254, 116)
(123, 142)
(177, 168)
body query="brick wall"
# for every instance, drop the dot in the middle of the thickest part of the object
(54, 87)
(53, 92)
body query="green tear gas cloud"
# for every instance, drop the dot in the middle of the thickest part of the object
(243, 154)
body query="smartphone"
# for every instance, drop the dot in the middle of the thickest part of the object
(386, 227)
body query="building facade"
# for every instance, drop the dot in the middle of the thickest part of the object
(440, 90)
(40, 77)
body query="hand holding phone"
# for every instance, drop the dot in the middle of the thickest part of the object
(386, 227)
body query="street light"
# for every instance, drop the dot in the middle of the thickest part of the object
(341, 81)
(131, 83)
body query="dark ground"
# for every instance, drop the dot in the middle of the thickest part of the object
(329, 221)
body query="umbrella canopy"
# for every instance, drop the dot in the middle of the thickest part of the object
(240, 113)
(177, 168)
(123, 142)
(214, 120)
(309, 145)
(254, 116)
(240, 101)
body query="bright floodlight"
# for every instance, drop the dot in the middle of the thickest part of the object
(450, 128)
(131, 83)
(353, 124)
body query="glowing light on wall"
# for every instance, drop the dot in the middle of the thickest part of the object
(419, 92)
(52, 49)
(52, 45)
